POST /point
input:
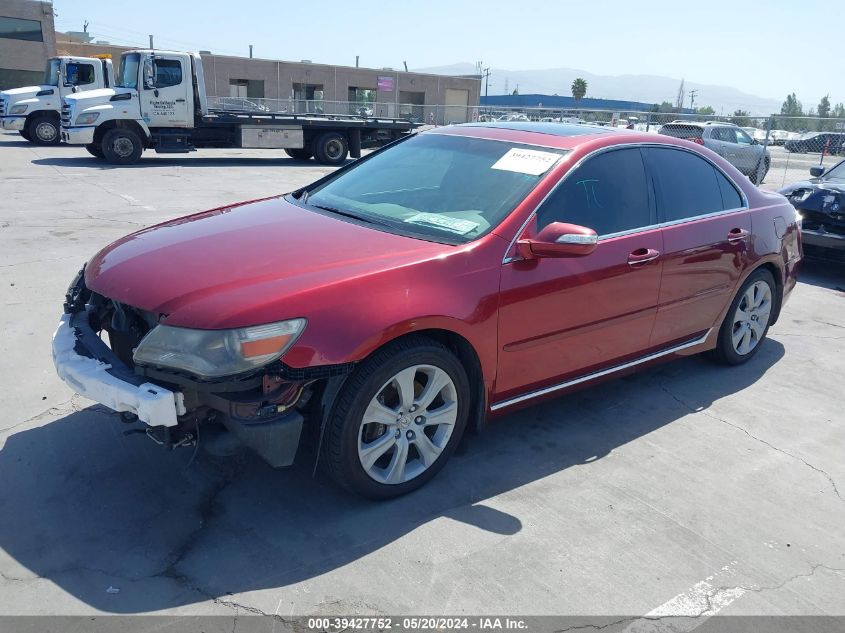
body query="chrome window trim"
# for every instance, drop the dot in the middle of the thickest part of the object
(598, 374)
(641, 229)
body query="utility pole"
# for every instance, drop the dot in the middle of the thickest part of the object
(151, 43)
(692, 94)
(486, 75)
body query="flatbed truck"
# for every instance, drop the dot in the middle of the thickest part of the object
(159, 102)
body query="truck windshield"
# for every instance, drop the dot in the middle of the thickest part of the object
(51, 73)
(128, 76)
(448, 188)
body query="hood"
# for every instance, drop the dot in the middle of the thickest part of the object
(90, 97)
(814, 183)
(26, 91)
(246, 264)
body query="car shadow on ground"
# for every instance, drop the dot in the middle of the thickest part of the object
(194, 161)
(87, 507)
(823, 273)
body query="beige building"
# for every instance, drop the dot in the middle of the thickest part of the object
(305, 86)
(27, 39)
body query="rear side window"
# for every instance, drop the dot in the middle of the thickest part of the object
(723, 134)
(168, 73)
(688, 132)
(688, 186)
(608, 193)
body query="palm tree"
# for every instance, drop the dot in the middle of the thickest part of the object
(579, 88)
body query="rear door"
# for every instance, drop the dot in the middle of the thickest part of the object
(563, 317)
(706, 232)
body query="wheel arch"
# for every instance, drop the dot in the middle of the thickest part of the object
(41, 114)
(136, 127)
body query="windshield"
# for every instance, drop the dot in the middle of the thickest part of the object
(128, 76)
(51, 73)
(836, 173)
(448, 188)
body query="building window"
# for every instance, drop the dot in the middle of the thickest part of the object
(18, 29)
(361, 95)
(246, 88)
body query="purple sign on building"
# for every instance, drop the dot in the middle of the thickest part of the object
(385, 84)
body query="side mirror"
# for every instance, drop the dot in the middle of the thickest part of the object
(558, 239)
(149, 74)
(816, 172)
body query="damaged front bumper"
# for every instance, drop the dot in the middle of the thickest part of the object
(89, 367)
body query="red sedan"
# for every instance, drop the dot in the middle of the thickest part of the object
(446, 278)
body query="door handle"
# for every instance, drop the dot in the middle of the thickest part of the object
(180, 101)
(643, 255)
(737, 235)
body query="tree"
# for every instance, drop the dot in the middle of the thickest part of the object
(792, 107)
(839, 111)
(706, 110)
(515, 91)
(579, 88)
(824, 106)
(740, 118)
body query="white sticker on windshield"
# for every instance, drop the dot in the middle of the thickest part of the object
(527, 161)
(455, 225)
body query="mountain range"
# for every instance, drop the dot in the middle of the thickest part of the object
(644, 88)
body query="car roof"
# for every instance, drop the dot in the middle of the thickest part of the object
(701, 123)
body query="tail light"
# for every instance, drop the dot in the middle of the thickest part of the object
(698, 140)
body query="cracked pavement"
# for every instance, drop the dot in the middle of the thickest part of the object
(682, 491)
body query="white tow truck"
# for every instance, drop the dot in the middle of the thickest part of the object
(159, 102)
(34, 110)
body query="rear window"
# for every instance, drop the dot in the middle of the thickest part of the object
(681, 131)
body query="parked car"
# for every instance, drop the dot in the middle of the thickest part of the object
(453, 276)
(729, 141)
(821, 203)
(816, 142)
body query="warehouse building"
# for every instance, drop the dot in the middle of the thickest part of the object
(27, 39)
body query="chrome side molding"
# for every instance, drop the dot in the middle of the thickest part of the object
(598, 374)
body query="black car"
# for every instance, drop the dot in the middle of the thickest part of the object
(829, 142)
(821, 203)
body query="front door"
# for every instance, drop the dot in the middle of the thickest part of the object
(706, 232)
(564, 317)
(166, 92)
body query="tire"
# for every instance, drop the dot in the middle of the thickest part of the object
(753, 175)
(393, 445)
(95, 150)
(25, 134)
(299, 154)
(331, 148)
(43, 130)
(121, 146)
(727, 350)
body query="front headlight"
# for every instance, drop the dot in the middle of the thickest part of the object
(86, 118)
(216, 353)
(18, 109)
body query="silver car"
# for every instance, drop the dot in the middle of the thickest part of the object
(729, 141)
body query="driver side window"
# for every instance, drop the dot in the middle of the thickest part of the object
(608, 193)
(168, 73)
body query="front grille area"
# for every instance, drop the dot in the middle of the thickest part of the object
(65, 115)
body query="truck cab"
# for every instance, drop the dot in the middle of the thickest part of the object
(34, 110)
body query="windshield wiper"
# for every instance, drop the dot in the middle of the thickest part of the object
(346, 214)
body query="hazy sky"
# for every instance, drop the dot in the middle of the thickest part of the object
(762, 47)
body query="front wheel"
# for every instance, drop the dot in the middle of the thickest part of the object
(25, 134)
(748, 319)
(43, 130)
(397, 420)
(331, 148)
(121, 146)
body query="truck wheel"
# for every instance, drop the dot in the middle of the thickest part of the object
(95, 150)
(331, 148)
(121, 146)
(43, 130)
(299, 154)
(397, 420)
(25, 134)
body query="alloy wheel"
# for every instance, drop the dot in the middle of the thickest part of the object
(407, 424)
(751, 317)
